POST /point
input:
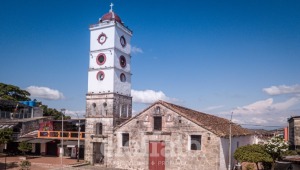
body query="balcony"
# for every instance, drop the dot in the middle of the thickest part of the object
(58, 135)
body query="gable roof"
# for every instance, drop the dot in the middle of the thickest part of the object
(217, 125)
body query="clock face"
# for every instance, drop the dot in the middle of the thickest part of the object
(123, 41)
(102, 38)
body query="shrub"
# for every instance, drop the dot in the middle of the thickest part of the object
(250, 167)
(25, 165)
(289, 153)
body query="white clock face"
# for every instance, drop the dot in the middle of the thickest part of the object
(102, 38)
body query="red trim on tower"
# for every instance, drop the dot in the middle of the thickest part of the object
(100, 75)
(99, 38)
(104, 59)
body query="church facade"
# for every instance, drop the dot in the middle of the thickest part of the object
(164, 135)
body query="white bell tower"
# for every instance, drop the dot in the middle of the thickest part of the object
(109, 76)
(108, 100)
(109, 67)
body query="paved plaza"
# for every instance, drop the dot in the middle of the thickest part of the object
(48, 163)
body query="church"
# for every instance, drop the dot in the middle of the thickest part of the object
(164, 135)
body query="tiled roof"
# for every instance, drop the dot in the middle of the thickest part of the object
(111, 16)
(219, 126)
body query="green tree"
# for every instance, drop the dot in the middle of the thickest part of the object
(24, 147)
(252, 153)
(5, 135)
(57, 115)
(14, 93)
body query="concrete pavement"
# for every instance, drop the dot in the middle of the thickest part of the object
(47, 163)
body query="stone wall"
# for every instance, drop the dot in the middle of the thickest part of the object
(175, 133)
(32, 125)
(107, 110)
(294, 132)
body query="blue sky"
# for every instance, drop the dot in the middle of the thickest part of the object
(216, 57)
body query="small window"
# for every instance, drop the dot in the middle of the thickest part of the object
(100, 75)
(169, 118)
(123, 41)
(122, 61)
(125, 139)
(120, 110)
(123, 110)
(195, 142)
(157, 123)
(101, 58)
(157, 110)
(122, 77)
(99, 129)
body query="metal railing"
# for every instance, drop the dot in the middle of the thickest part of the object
(58, 135)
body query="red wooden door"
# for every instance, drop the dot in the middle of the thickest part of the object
(156, 156)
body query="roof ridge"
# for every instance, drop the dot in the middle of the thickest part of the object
(194, 110)
(193, 115)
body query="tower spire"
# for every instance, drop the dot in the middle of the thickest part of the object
(111, 7)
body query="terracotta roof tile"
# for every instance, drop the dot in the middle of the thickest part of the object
(219, 126)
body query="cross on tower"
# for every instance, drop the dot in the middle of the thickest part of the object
(111, 7)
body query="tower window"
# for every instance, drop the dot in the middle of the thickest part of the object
(100, 75)
(122, 61)
(122, 77)
(195, 142)
(123, 41)
(157, 123)
(125, 139)
(99, 129)
(101, 58)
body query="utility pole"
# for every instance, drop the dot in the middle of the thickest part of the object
(229, 155)
(62, 137)
(78, 146)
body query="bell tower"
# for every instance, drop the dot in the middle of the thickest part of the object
(109, 76)
(108, 100)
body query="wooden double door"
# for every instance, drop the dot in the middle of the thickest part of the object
(156, 155)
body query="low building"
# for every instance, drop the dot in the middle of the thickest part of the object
(168, 136)
(294, 132)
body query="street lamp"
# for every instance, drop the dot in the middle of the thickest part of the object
(78, 146)
(62, 136)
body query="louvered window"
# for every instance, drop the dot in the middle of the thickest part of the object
(157, 123)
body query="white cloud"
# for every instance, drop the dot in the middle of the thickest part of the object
(44, 93)
(258, 107)
(75, 114)
(287, 104)
(283, 89)
(136, 50)
(266, 106)
(150, 96)
(214, 107)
